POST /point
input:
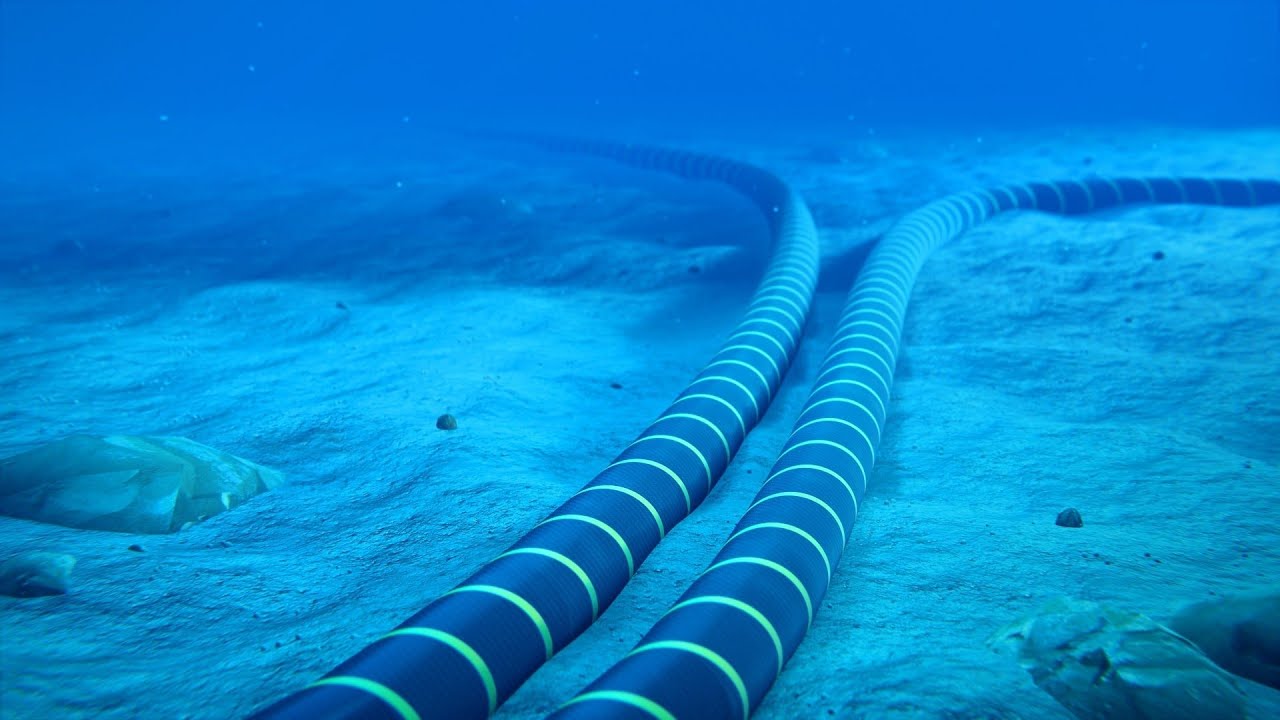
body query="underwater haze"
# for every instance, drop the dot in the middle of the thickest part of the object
(884, 359)
(247, 76)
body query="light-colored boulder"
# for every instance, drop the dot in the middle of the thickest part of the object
(1103, 663)
(1241, 633)
(35, 573)
(127, 483)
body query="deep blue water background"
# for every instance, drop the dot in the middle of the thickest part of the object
(92, 80)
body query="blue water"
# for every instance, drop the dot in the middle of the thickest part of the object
(78, 76)
(274, 229)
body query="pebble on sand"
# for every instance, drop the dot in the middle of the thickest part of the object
(1069, 518)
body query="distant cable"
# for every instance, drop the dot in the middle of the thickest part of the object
(720, 648)
(465, 653)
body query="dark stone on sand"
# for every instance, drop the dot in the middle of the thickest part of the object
(447, 422)
(1069, 518)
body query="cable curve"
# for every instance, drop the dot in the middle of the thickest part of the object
(468, 651)
(720, 648)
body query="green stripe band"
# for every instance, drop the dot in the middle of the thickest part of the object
(826, 562)
(749, 610)
(811, 498)
(706, 654)
(688, 445)
(688, 503)
(639, 702)
(520, 602)
(473, 657)
(378, 690)
(742, 424)
(662, 530)
(565, 561)
(726, 379)
(764, 562)
(622, 544)
(824, 470)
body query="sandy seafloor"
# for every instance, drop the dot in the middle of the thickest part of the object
(1049, 362)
